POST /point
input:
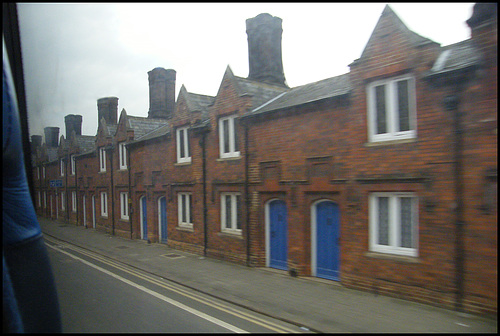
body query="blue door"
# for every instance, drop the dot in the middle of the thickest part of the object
(278, 228)
(163, 219)
(144, 218)
(327, 240)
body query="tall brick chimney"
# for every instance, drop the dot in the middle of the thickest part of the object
(73, 123)
(107, 108)
(264, 49)
(36, 142)
(51, 136)
(161, 93)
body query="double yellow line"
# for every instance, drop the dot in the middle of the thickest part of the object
(175, 288)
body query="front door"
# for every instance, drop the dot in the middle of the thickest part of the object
(162, 214)
(277, 231)
(327, 263)
(144, 222)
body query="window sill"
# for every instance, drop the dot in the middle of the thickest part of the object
(389, 142)
(185, 228)
(230, 234)
(231, 158)
(393, 257)
(187, 163)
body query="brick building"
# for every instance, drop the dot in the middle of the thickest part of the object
(383, 178)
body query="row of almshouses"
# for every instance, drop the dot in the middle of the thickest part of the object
(383, 178)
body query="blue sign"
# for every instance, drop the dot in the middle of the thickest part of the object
(56, 183)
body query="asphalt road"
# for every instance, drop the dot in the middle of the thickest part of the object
(97, 294)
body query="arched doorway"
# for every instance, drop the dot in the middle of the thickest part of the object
(276, 235)
(325, 238)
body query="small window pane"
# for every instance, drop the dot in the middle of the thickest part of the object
(403, 108)
(228, 211)
(225, 129)
(383, 221)
(406, 222)
(235, 136)
(238, 207)
(181, 143)
(381, 109)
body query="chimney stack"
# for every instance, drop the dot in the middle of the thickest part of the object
(36, 141)
(264, 49)
(73, 123)
(107, 108)
(51, 136)
(161, 93)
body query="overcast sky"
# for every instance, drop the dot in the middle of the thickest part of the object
(74, 54)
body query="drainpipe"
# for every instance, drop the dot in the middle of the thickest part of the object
(66, 173)
(129, 191)
(204, 168)
(451, 103)
(76, 190)
(247, 196)
(110, 151)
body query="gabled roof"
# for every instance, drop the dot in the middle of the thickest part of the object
(143, 125)
(85, 143)
(156, 133)
(327, 88)
(259, 92)
(197, 102)
(413, 38)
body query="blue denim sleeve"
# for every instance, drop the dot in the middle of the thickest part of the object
(30, 302)
(19, 217)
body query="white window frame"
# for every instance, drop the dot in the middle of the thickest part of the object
(183, 145)
(102, 159)
(124, 213)
(394, 224)
(73, 164)
(39, 199)
(122, 150)
(45, 200)
(43, 171)
(37, 173)
(232, 226)
(63, 206)
(391, 103)
(73, 201)
(232, 138)
(185, 209)
(104, 204)
(62, 167)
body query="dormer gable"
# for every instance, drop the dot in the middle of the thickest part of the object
(392, 44)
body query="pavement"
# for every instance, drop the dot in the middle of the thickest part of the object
(311, 303)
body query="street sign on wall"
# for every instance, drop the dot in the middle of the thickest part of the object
(56, 183)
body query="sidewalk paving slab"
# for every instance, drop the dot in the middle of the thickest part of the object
(319, 305)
